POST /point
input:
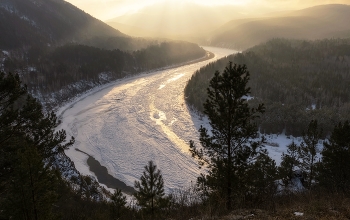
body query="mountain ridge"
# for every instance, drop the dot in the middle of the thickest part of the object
(47, 22)
(323, 21)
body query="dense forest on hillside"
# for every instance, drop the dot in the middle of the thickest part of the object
(297, 80)
(156, 56)
(73, 68)
(29, 22)
(12, 38)
(20, 31)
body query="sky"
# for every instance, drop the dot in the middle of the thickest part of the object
(108, 9)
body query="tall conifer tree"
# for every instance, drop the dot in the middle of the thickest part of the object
(334, 170)
(29, 144)
(226, 150)
(308, 151)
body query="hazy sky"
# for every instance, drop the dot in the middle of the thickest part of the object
(107, 9)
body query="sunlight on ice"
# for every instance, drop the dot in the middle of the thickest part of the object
(176, 77)
(159, 116)
(161, 87)
(123, 127)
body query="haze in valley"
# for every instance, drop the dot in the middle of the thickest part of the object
(236, 24)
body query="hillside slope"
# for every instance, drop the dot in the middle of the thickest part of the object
(317, 22)
(297, 80)
(54, 75)
(42, 22)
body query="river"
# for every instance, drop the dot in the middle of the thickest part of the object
(136, 120)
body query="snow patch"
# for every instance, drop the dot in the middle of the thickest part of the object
(31, 68)
(247, 97)
(298, 214)
(31, 22)
(105, 76)
(175, 77)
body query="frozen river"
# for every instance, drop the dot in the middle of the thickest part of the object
(136, 120)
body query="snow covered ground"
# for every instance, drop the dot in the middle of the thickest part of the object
(139, 119)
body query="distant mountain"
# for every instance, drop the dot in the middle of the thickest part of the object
(38, 22)
(325, 21)
(175, 19)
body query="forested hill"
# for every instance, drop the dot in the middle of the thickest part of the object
(57, 74)
(60, 51)
(297, 80)
(318, 22)
(41, 22)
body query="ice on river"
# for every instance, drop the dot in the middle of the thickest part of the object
(136, 120)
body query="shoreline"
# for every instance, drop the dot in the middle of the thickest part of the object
(104, 177)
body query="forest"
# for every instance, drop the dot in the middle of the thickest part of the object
(298, 87)
(29, 22)
(75, 68)
(240, 180)
(297, 80)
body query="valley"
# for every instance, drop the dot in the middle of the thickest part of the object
(136, 120)
(111, 109)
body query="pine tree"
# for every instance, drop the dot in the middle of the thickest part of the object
(32, 190)
(228, 149)
(29, 144)
(10, 91)
(308, 151)
(150, 191)
(334, 169)
(289, 164)
(117, 204)
(261, 176)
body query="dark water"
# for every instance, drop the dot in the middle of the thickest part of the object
(104, 177)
